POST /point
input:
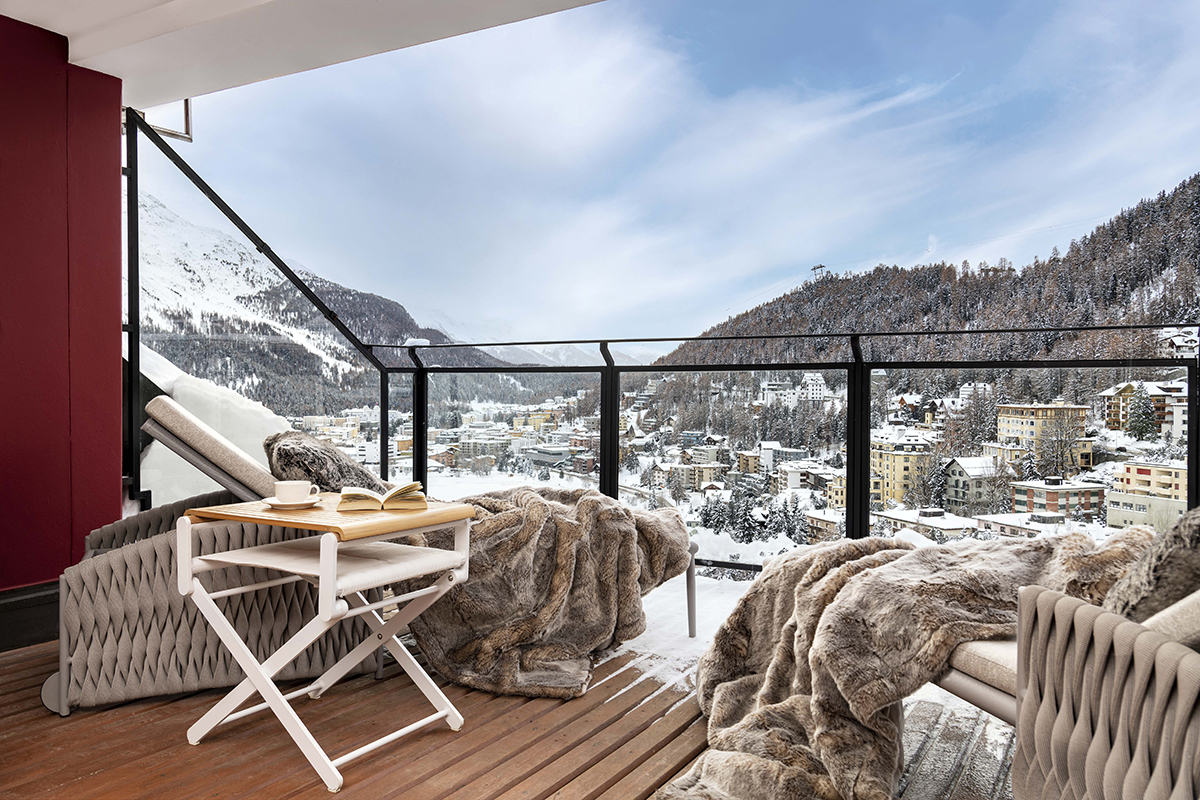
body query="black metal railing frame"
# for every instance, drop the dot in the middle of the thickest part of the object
(858, 369)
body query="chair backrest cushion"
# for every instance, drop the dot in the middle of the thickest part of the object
(210, 444)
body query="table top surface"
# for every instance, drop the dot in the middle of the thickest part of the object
(324, 516)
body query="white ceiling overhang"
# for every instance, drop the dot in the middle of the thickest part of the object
(166, 50)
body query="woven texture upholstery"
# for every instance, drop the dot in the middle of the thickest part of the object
(1107, 709)
(151, 523)
(130, 634)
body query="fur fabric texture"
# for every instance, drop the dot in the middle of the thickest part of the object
(802, 684)
(1167, 572)
(297, 456)
(555, 576)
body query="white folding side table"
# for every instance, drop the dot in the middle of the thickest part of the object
(350, 556)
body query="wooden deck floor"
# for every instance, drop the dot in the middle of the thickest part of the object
(623, 739)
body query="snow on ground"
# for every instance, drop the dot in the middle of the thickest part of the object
(449, 487)
(670, 656)
(720, 546)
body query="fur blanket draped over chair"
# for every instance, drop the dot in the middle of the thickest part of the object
(803, 682)
(555, 576)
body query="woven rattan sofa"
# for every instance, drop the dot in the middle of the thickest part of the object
(124, 630)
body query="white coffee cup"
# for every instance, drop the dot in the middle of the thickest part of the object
(295, 491)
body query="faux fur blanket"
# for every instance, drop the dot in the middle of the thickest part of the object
(803, 682)
(555, 576)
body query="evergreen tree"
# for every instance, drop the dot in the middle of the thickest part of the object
(1143, 423)
(1029, 468)
(630, 462)
(544, 474)
(777, 522)
(653, 503)
(676, 488)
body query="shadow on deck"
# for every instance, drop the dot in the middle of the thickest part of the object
(622, 740)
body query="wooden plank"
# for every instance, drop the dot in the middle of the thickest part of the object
(922, 721)
(589, 752)
(599, 778)
(935, 774)
(23, 655)
(529, 734)
(347, 525)
(646, 777)
(985, 769)
(340, 721)
(609, 714)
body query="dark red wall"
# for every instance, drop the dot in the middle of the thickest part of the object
(60, 304)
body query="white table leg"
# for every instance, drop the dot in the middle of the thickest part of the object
(257, 676)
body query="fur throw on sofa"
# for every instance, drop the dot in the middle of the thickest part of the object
(802, 683)
(555, 576)
(298, 456)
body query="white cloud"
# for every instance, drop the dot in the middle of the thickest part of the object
(572, 174)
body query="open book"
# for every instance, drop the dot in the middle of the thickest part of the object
(409, 497)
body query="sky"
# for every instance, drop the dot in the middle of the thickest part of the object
(649, 169)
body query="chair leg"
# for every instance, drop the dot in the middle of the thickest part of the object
(262, 682)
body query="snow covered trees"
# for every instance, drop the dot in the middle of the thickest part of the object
(1143, 422)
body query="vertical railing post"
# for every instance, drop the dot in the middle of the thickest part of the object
(610, 430)
(1193, 438)
(420, 404)
(133, 386)
(384, 433)
(858, 445)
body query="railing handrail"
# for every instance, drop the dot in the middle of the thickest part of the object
(762, 336)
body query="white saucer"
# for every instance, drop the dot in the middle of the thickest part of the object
(275, 502)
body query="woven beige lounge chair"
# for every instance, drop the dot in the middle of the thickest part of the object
(1103, 707)
(124, 630)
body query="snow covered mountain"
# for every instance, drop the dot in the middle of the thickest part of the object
(214, 306)
(553, 355)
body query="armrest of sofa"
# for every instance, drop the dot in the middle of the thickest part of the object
(149, 523)
(1105, 707)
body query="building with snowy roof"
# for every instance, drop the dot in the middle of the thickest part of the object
(1146, 492)
(1117, 401)
(931, 522)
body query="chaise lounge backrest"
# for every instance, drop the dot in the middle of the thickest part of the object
(210, 452)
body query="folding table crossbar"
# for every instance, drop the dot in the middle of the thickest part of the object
(350, 557)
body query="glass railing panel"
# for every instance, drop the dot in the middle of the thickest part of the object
(226, 334)
(498, 430)
(754, 460)
(400, 428)
(1028, 452)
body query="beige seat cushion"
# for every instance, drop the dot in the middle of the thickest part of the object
(210, 444)
(993, 662)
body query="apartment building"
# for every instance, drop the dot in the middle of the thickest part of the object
(835, 491)
(970, 480)
(1057, 495)
(1117, 401)
(1043, 427)
(1009, 453)
(1031, 526)
(1148, 492)
(896, 457)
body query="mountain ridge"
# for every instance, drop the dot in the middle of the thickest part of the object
(1139, 267)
